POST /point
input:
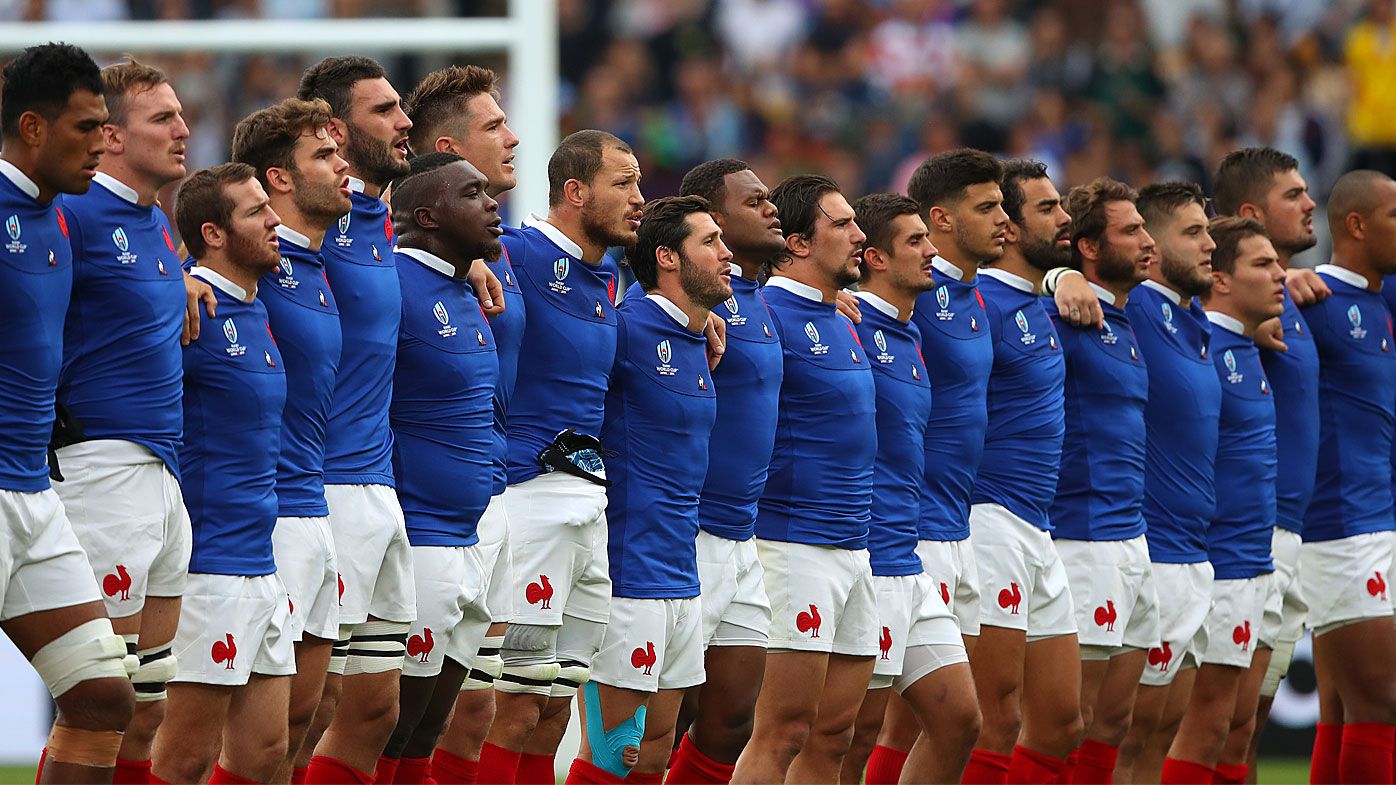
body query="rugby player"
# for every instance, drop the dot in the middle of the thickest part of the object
(1180, 448)
(921, 651)
(812, 519)
(305, 178)
(232, 685)
(51, 118)
(119, 395)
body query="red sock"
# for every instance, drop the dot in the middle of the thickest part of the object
(1230, 774)
(645, 779)
(131, 772)
(885, 765)
(1184, 772)
(324, 770)
(387, 769)
(154, 780)
(691, 767)
(986, 768)
(412, 771)
(1095, 763)
(297, 775)
(222, 776)
(1366, 753)
(1064, 778)
(585, 773)
(498, 766)
(536, 770)
(1328, 745)
(451, 769)
(1029, 766)
(674, 753)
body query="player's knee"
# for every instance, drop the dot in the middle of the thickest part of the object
(728, 730)
(1112, 724)
(140, 731)
(529, 654)
(92, 659)
(486, 667)
(156, 666)
(1004, 720)
(376, 646)
(963, 719)
(97, 704)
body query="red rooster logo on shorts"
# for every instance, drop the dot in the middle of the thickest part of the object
(120, 583)
(1161, 657)
(945, 593)
(225, 652)
(1106, 616)
(809, 621)
(644, 659)
(540, 592)
(1242, 636)
(884, 643)
(1010, 597)
(420, 646)
(1375, 585)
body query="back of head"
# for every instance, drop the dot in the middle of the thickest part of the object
(413, 190)
(941, 180)
(1245, 176)
(267, 138)
(579, 157)
(1355, 192)
(333, 80)
(1227, 232)
(1158, 202)
(1086, 206)
(203, 198)
(797, 200)
(123, 80)
(876, 215)
(42, 79)
(1015, 173)
(663, 224)
(709, 179)
(437, 106)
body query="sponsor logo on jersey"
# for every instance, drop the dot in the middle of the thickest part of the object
(1027, 337)
(480, 338)
(1355, 318)
(439, 311)
(376, 257)
(813, 335)
(230, 331)
(323, 302)
(561, 267)
(12, 227)
(160, 265)
(702, 385)
(943, 300)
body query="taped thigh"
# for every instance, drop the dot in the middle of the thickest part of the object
(88, 651)
(376, 647)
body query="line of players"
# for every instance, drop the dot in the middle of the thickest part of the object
(382, 486)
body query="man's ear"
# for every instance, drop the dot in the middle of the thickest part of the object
(938, 218)
(424, 218)
(338, 131)
(797, 244)
(874, 258)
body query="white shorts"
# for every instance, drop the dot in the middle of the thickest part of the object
(1285, 608)
(493, 530)
(305, 560)
(912, 613)
(953, 567)
(375, 559)
(1347, 580)
(127, 511)
(735, 609)
(1021, 574)
(1112, 585)
(1230, 635)
(452, 615)
(1188, 588)
(822, 598)
(651, 645)
(557, 540)
(43, 565)
(231, 626)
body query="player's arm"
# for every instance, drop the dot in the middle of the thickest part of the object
(848, 305)
(487, 288)
(195, 292)
(1271, 335)
(1076, 301)
(716, 333)
(1305, 286)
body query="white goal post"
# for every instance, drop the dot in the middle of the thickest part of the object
(527, 35)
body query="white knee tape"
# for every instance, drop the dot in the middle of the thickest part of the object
(339, 657)
(571, 676)
(1280, 658)
(486, 666)
(88, 651)
(527, 678)
(377, 647)
(158, 666)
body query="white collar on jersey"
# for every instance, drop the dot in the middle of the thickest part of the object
(20, 179)
(554, 234)
(1104, 294)
(430, 260)
(117, 187)
(1229, 322)
(216, 279)
(1012, 279)
(736, 271)
(355, 184)
(292, 236)
(667, 306)
(795, 287)
(949, 269)
(877, 302)
(1166, 291)
(1345, 275)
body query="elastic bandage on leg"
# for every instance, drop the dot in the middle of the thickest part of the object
(88, 651)
(97, 748)
(132, 660)
(1280, 658)
(529, 656)
(377, 647)
(339, 655)
(607, 745)
(924, 659)
(158, 666)
(577, 643)
(486, 666)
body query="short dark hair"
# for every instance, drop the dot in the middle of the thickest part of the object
(663, 224)
(42, 79)
(1015, 173)
(1227, 232)
(941, 180)
(438, 102)
(1354, 192)
(203, 198)
(578, 157)
(709, 179)
(267, 138)
(407, 196)
(124, 79)
(1158, 201)
(333, 79)
(1245, 176)
(1086, 204)
(875, 214)
(797, 201)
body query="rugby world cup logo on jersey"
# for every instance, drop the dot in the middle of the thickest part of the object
(880, 341)
(1027, 337)
(1355, 317)
(561, 267)
(230, 331)
(1232, 376)
(439, 311)
(735, 319)
(288, 275)
(1108, 335)
(812, 334)
(12, 227)
(943, 300)
(1168, 319)
(123, 246)
(343, 240)
(666, 353)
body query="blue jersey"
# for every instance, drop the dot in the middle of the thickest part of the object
(1388, 293)
(122, 364)
(302, 311)
(903, 408)
(1180, 422)
(1101, 490)
(234, 392)
(660, 411)
(955, 333)
(1294, 377)
(358, 259)
(570, 335)
(1357, 406)
(819, 488)
(1238, 542)
(1023, 443)
(36, 276)
(508, 330)
(442, 412)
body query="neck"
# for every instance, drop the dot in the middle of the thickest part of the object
(897, 297)
(950, 253)
(432, 245)
(22, 159)
(370, 188)
(673, 291)
(1156, 275)
(1014, 262)
(569, 222)
(750, 265)
(1120, 290)
(145, 187)
(218, 262)
(797, 270)
(1284, 258)
(1343, 257)
(292, 218)
(1225, 306)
